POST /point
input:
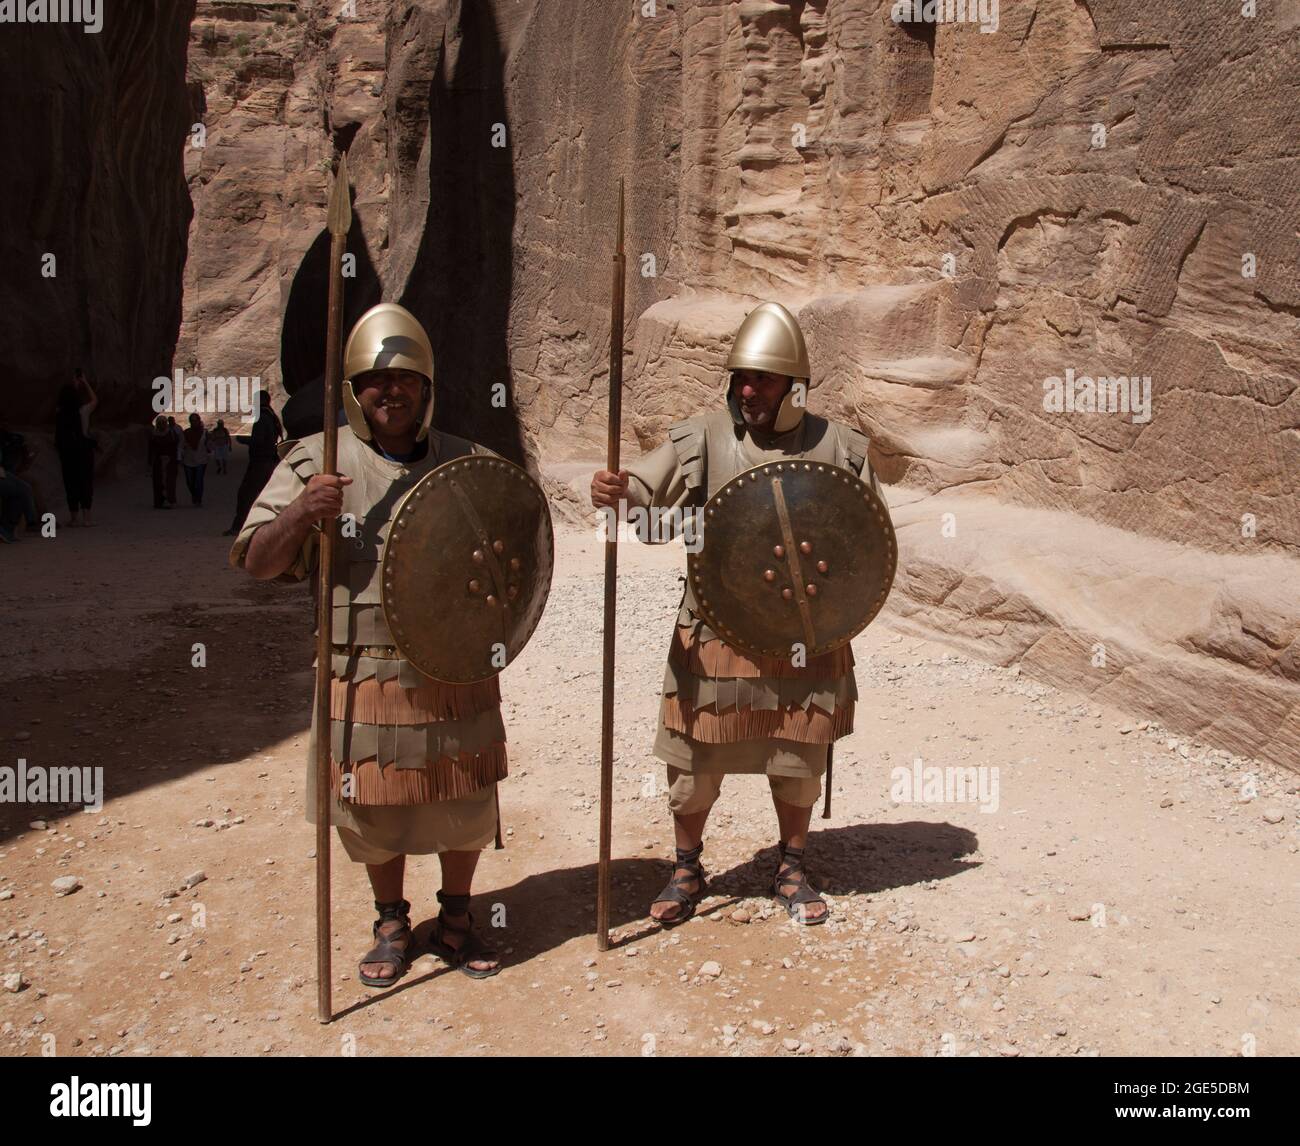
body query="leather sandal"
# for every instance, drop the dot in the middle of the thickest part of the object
(790, 864)
(472, 949)
(675, 891)
(384, 950)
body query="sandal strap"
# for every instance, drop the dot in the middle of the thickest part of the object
(455, 904)
(386, 951)
(675, 890)
(398, 909)
(791, 864)
(447, 925)
(474, 949)
(471, 949)
(802, 894)
(688, 856)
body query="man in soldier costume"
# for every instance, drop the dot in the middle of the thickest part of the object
(723, 711)
(414, 761)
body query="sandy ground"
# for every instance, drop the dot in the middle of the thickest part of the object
(1129, 893)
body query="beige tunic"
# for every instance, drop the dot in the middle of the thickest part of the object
(722, 710)
(415, 761)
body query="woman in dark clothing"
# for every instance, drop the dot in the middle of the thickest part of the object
(162, 449)
(75, 446)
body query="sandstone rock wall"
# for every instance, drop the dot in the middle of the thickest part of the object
(1095, 189)
(91, 128)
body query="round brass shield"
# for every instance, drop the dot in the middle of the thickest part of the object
(793, 555)
(467, 568)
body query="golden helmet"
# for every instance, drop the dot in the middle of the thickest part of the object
(770, 340)
(386, 337)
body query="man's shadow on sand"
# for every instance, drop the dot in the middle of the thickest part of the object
(546, 910)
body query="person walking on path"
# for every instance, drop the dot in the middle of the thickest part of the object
(194, 457)
(263, 457)
(219, 440)
(162, 446)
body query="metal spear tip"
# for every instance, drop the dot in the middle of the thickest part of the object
(340, 210)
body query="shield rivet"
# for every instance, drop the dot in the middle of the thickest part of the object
(769, 575)
(515, 564)
(811, 590)
(787, 594)
(805, 547)
(498, 547)
(778, 551)
(512, 592)
(491, 601)
(822, 567)
(475, 585)
(479, 557)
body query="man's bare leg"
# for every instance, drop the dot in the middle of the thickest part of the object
(689, 830)
(457, 876)
(386, 880)
(793, 821)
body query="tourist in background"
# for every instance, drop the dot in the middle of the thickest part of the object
(194, 457)
(17, 501)
(173, 459)
(219, 440)
(161, 447)
(75, 446)
(262, 460)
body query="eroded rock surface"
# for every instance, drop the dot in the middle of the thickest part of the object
(1098, 191)
(92, 234)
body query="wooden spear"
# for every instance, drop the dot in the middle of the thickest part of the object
(611, 578)
(340, 222)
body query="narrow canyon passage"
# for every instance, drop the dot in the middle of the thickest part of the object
(1124, 899)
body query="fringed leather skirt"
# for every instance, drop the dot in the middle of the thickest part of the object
(723, 710)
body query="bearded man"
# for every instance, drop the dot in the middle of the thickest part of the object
(723, 711)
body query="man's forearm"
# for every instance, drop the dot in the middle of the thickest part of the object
(275, 546)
